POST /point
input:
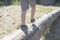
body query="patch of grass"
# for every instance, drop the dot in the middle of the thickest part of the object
(15, 2)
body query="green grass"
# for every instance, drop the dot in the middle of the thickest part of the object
(15, 2)
(10, 17)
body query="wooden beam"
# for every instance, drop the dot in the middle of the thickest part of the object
(36, 29)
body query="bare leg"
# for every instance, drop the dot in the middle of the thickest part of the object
(33, 9)
(23, 17)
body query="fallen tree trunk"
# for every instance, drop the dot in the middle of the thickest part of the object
(36, 29)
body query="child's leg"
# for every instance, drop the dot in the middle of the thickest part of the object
(32, 12)
(23, 17)
(33, 9)
(24, 6)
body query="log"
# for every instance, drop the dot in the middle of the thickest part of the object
(36, 29)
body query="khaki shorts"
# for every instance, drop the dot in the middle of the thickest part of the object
(25, 4)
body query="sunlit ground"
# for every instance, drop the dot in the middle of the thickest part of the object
(10, 17)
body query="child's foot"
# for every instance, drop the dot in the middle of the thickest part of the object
(32, 20)
(24, 27)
